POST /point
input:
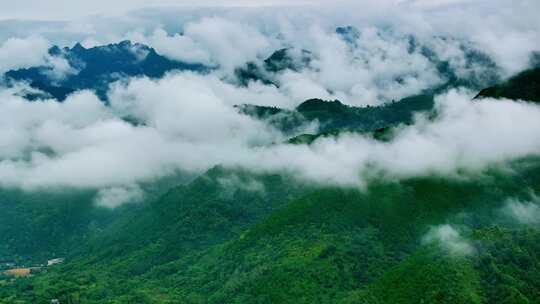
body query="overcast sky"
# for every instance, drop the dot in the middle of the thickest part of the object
(70, 9)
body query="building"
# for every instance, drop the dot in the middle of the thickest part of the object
(18, 272)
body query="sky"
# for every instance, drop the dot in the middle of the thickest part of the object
(190, 122)
(66, 10)
(70, 10)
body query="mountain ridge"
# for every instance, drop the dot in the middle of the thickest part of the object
(97, 67)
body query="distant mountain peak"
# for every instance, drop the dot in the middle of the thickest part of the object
(523, 86)
(55, 51)
(99, 66)
(316, 104)
(78, 47)
(288, 58)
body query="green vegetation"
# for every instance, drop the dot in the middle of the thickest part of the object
(334, 117)
(36, 226)
(40, 224)
(524, 86)
(278, 61)
(233, 236)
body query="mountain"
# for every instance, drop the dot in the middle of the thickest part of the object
(523, 86)
(222, 239)
(288, 58)
(476, 71)
(334, 117)
(97, 67)
(279, 61)
(39, 225)
(233, 235)
(210, 210)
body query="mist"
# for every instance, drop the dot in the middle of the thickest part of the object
(187, 121)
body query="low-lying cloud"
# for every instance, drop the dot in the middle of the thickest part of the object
(527, 213)
(186, 121)
(450, 239)
(115, 196)
(465, 136)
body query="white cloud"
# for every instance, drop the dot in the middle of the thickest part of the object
(17, 53)
(69, 10)
(449, 239)
(507, 31)
(214, 41)
(60, 68)
(232, 183)
(381, 69)
(523, 212)
(466, 136)
(231, 44)
(189, 120)
(430, 4)
(191, 107)
(33, 51)
(116, 196)
(176, 47)
(83, 143)
(190, 124)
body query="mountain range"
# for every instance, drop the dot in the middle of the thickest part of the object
(97, 67)
(232, 235)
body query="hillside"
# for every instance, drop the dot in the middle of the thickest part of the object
(38, 226)
(333, 117)
(523, 86)
(327, 245)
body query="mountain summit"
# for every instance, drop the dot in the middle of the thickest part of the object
(80, 68)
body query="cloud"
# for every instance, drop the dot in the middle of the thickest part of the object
(232, 183)
(18, 53)
(83, 143)
(33, 51)
(188, 122)
(115, 196)
(214, 41)
(506, 31)
(230, 44)
(192, 107)
(466, 136)
(382, 68)
(68, 10)
(430, 4)
(176, 47)
(523, 212)
(58, 68)
(449, 239)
